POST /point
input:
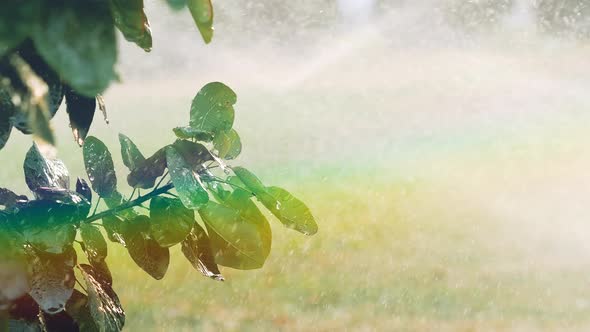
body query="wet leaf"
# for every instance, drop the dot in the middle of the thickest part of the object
(194, 154)
(145, 174)
(83, 189)
(202, 12)
(52, 279)
(17, 19)
(81, 206)
(228, 144)
(8, 198)
(99, 166)
(44, 171)
(131, 20)
(114, 228)
(94, 243)
(131, 155)
(78, 308)
(236, 241)
(81, 111)
(292, 212)
(192, 133)
(84, 60)
(105, 307)
(212, 108)
(147, 254)
(170, 220)
(185, 180)
(197, 249)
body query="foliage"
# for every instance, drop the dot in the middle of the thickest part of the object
(564, 17)
(53, 270)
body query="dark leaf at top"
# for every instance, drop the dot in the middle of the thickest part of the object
(132, 22)
(81, 112)
(17, 19)
(85, 61)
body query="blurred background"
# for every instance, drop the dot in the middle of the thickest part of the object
(441, 145)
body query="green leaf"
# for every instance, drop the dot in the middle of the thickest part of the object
(99, 166)
(105, 307)
(236, 241)
(185, 180)
(176, 4)
(113, 225)
(292, 212)
(194, 154)
(147, 254)
(202, 12)
(132, 157)
(212, 108)
(42, 171)
(131, 20)
(145, 174)
(170, 221)
(8, 199)
(94, 242)
(228, 144)
(17, 19)
(81, 112)
(192, 133)
(250, 180)
(52, 279)
(197, 249)
(78, 42)
(83, 189)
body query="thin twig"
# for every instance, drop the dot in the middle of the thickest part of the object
(161, 179)
(216, 179)
(96, 206)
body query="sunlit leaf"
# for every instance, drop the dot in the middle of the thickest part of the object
(52, 279)
(228, 144)
(202, 12)
(145, 174)
(170, 220)
(94, 243)
(212, 108)
(99, 166)
(131, 20)
(105, 307)
(148, 255)
(236, 241)
(81, 111)
(197, 249)
(17, 19)
(292, 212)
(42, 171)
(185, 180)
(131, 155)
(84, 60)
(192, 133)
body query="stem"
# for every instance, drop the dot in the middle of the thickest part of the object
(130, 204)
(161, 179)
(132, 193)
(96, 206)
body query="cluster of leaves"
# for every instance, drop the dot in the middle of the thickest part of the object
(184, 179)
(564, 17)
(51, 50)
(475, 15)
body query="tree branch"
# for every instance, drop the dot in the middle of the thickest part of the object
(130, 204)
